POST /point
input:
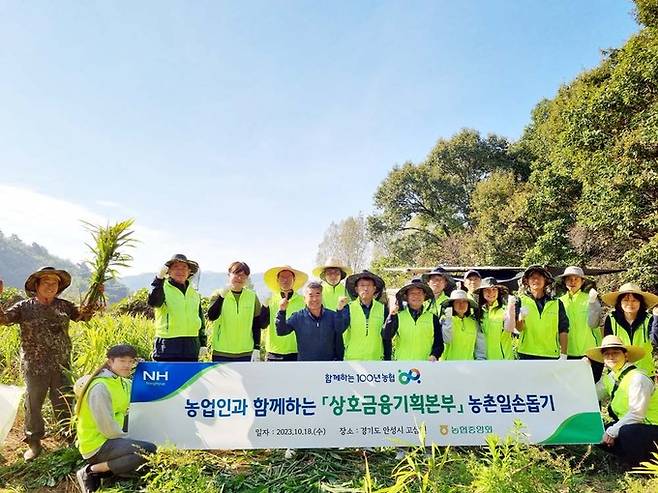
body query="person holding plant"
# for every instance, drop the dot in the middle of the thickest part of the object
(584, 312)
(102, 412)
(630, 320)
(332, 273)
(180, 333)
(235, 313)
(44, 320)
(496, 319)
(461, 332)
(633, 401)
(541, 318)
(411, 328)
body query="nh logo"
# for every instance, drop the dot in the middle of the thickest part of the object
(156, 376)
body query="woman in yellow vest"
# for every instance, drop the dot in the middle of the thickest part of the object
(442, 284)
(495, 319)
(633, 401)
(541, 318)
(462, 336)
(332, 273)
(180, 333)
(235, 316)
(412, 332)
(581, 303)
(102, 411)
(284, 282)
(363, 337)
(631, 320)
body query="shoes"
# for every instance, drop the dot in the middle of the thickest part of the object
(87, 480)
(32, 452)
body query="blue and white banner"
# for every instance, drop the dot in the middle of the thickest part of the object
(361, 404)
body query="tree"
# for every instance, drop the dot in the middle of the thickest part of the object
(347, 241)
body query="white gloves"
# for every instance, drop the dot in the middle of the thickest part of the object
(203, 353)
(162, 272)
(448, 314)
(563, 357)
(593, 294)
(655, 310)
(523, 313)
(255, 355)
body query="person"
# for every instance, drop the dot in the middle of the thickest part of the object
(318, 330)
(284, 282)
(496, 320)
(332, 273)
(541, 318)
(102, 411)
(441, 283)
(472, 280)
(462, 336)
(44, 320)
(180, 333)
(633, 401)
(630, 320)
(583, 309)
(366, 315)
(412, 328)
(235, 313)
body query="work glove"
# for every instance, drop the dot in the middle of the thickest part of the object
(162, 273)
(593, 294)
(523, 313)
(203, 353)
(563, 357)
(255, 356)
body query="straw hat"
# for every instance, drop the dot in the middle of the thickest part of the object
(32, 281)
(332, 262)
(179, 257)
(270, 277)
(633, 353)
(611, 298)
(350, 283)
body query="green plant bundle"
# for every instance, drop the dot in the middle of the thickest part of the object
(107, 248)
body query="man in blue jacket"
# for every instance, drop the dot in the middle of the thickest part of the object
(318, 329)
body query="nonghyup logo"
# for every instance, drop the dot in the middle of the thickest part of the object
(405, 377)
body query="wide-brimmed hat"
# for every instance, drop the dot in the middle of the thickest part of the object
(472, 272)
(458, 294)
(438, 271)
(350, 283)
(650, 299)
(536, 268)
(332, 263)
(63, 276)
(491, 282)
(633, 353)
(270, 277)
(415, 283)
(179, 257)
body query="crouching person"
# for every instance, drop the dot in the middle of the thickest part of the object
(102, 411)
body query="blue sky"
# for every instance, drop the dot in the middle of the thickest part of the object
(240, 130)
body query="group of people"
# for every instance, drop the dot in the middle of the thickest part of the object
(342, 316)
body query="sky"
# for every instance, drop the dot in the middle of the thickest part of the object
(240, 130)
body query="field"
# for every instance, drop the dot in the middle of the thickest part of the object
(502, 466)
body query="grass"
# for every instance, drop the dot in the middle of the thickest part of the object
(501, 466)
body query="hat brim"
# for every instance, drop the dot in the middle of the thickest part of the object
(270, 278)
(536, 268)
(402, 292)
(319, 271)
(610, 299)
(633, 353)
(31, 281)
(501, 287)
(350, 283)
(449, 279)
(194, 267)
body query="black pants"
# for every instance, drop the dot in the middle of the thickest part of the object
(227, 359)
(635, 443)
(123, 455)
(57, 387)
(281, 357)
(531, 356)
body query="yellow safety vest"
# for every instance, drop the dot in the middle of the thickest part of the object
(179, 314)
(415, 337)
(282, 344)
(540, 336)
(363, 338)
(231, 332)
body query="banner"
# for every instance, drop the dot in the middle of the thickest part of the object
(10, 398)
(361, 404)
